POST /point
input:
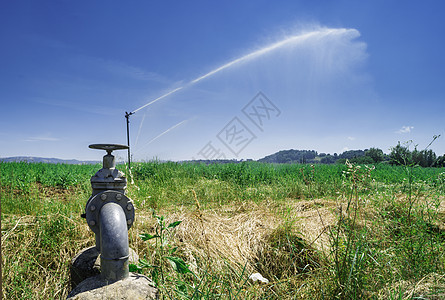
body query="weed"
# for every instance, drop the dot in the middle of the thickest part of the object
(286, 254)
(165, 252)
(350, 250)
(389, 229)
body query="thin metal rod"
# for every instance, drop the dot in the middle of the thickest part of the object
(127, 116)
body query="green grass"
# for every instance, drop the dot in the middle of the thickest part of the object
(386, 241)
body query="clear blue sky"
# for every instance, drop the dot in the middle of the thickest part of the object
(334, 75)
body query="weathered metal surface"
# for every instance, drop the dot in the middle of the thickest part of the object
(108, 178)
(109, 214)
(114, 250)
(96, 203)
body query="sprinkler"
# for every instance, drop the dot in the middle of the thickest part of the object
(127, 116)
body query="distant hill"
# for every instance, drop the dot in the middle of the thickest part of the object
(31, 159)
(291, 156)
(312, 156)
(280, 157)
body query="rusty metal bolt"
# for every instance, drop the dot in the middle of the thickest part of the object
(92, 223)
(103, 197)
(118, 197)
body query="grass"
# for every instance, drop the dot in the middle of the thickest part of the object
(321, 231)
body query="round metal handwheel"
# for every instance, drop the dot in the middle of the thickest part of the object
(108, 147)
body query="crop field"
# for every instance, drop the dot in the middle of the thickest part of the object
(313, 231)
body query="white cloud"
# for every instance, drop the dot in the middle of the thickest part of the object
(104, 67)
(351, 138)
(125, 70)
(74, 104)
(405, 129)
(42, 139)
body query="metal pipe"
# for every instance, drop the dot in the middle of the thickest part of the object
(114, 251)
(127, 116)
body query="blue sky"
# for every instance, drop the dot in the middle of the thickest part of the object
(249, 78)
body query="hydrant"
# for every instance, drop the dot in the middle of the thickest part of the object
(109, 214)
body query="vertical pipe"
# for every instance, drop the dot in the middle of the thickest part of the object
(127, 116)
(114, 251)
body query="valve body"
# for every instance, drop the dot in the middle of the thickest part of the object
(109, 214)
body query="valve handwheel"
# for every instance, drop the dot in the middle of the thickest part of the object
(108, 147)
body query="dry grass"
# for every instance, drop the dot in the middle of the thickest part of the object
(217, 237)
(313, 219)
(431, 287)
(251, 237)
(234, 240)
(288, 241)
(35, 260)
(243, 240)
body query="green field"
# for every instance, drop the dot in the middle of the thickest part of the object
(314, 231)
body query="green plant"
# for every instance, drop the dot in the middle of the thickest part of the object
(165, 252)
(396, 240)
(349, 246)
(418, 245)
(286, 254)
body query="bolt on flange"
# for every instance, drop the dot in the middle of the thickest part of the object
(96, 202)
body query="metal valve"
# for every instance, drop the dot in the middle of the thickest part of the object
(109, 214)
(96, 203)
(108, 147)
(108, 178)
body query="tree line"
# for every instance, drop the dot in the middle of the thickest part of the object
(399, 155)
(402, 155)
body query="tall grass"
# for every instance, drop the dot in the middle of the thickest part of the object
(384, 227)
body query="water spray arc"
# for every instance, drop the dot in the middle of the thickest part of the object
(139, 130)
(161, 134)
(320, 33)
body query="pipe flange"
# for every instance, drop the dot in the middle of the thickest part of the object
(94, 205)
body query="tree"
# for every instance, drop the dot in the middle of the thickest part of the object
(349, 154)
(429, 158)
(400, 155)
(327, 159)
(376, 154)
(424, 158)
(362, 160)
(440, 161)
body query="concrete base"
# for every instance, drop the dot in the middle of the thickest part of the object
(135, 287)
(87, 264)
